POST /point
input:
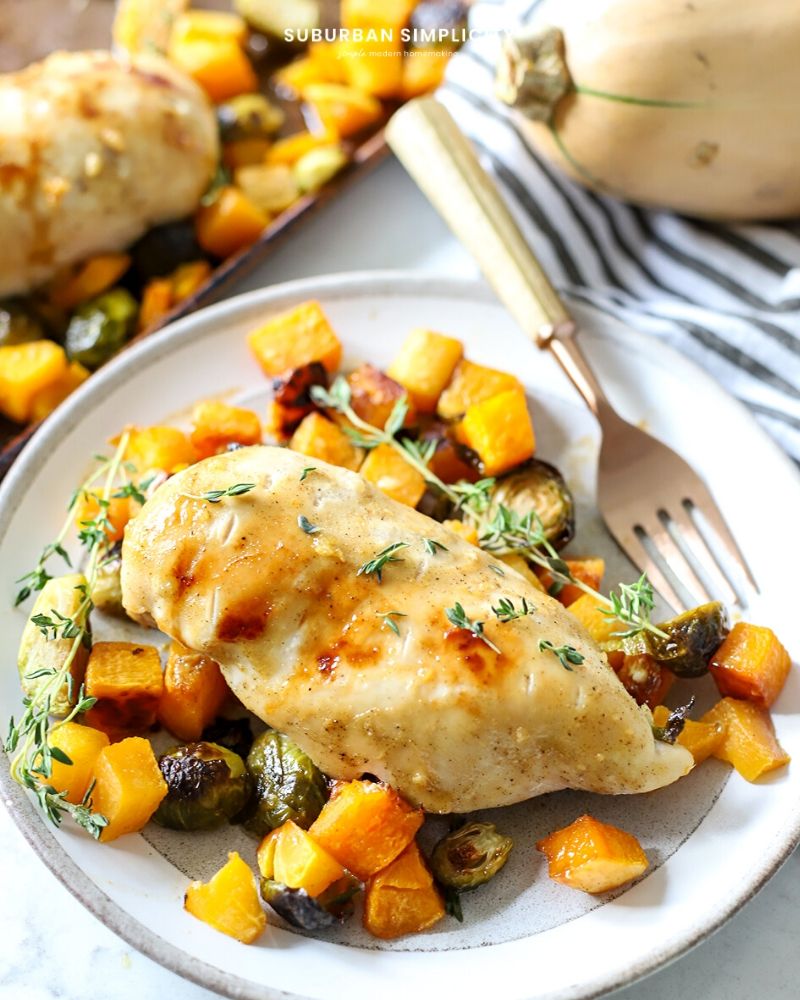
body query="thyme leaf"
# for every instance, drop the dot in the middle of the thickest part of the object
(458, 617)
(376, 565)
(506, 612)
(388, 619)
(432, 546)
(566, 654)
(304, 523)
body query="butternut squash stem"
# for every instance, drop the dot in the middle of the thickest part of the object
(644, 102)
(24, 760)
(533, 554)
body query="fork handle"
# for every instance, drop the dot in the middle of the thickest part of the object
(432, 148)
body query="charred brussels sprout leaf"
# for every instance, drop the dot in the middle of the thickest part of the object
(693, 638)
(470, 856)
(306, 912)
(207, 786)
(289, 786)
(100, 327)
(233, 734)
(540, 487)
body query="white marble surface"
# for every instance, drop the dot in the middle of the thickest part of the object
(52, 949)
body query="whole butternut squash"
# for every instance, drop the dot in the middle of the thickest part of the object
(688, 106)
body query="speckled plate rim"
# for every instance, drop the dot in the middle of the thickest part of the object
(57, 427)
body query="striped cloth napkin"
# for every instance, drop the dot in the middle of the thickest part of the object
(727, 296)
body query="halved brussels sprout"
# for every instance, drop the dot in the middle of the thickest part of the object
(100, 327)
(249, 116)
(540, 487)
(233, 734)
(694, 637)
(207, 786)
(311, 913)
(470, 856)
(288, 784)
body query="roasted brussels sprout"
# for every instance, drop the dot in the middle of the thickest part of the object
(694, 637)
(164, 248)
(540, 487)
(470, 856)
(17, 325)
(233, 734)
(100, 327)
(311, 913)
(107, 588)
(288, 785)
(207, 786)
(249, 116)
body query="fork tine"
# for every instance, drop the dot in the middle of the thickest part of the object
(639, 556)
(705, 503)
(703, 553)
(674, 557)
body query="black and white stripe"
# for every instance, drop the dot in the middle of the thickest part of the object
(727, 296)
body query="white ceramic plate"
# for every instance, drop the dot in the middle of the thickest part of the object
(712, 841)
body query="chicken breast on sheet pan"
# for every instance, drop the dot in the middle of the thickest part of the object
(303, 641)
(94, 150)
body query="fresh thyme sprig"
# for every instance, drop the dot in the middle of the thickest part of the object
(458, 617)
(29, 739)
(304, 523)
(375, 566)
(215, 496)
(566, 654)
(307, 472)
(432, 546)
(506, 612)
(507, 531)
(388, 619)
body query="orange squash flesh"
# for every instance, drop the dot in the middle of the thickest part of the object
(373, 395)
(289, 150)
(25, 371)
(365, 825)
(600, 627)
(386, 469)
(128, 787)
(470, 384)
(218, 64)
(644, 679)
(466, 531)
(424, 365)
(217, 424)
(374, 67)
(500, 430)
(320, 438)
(402, 898)
(291, 856)
(589, 571)
(158, 448)
(342, 111)
(229, 902)
(193, 694)
(750, 743)
(752, 664)
(45, 401)
(127, 680)
(92, 277)
(156, 302)
(701, 739)
(423, 71)
(593, 856)
(82, 745)
(230, 223)
(296, 338)
(523, 567)
(117, 514)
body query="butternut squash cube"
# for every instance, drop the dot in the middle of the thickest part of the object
(230, 223)
(291, 856)
(425, 365)
(373, 395)
(448, 461)
(296, 338)
(500, 430)
(466, 531)
(390, 472)
(472, 384)
(365, 825)
(157, 300)
(374, 67)
(194, 692)
(701, 739)
(217, 424)
(209, 24)
(217, 63)
(320, 438)
(752, 664)
(750, 743)
(127, 681)
(402, 899)
(589, 571)
(423, 71)
(229, 902)
(82, 745)
(91, 278)
(26, 370)
(645, 680)
(600, 627)
(328, 59)
(299, 73)
(523, 567)
(342, 111)
(593, 856)
(117, 514)
(188, 278)
(245, 152)
(365, 14)
(289, 150)
(47, 399)
(128, 787)
(159, 449)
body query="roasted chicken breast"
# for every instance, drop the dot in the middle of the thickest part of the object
(268, 584)
(94, 150)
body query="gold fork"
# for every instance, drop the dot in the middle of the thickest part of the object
(648, 495)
